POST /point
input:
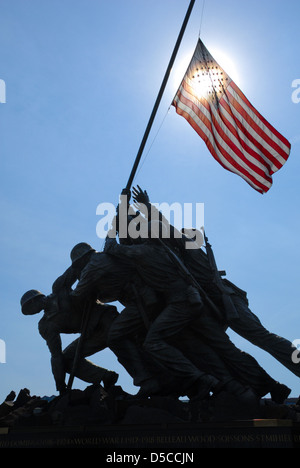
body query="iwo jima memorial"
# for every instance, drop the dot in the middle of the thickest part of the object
(196, 389)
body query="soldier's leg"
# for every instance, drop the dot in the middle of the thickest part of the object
(208, 361)
(86, 370)
(172, 320)
(249, 327)
(121, 340)
(95, 341)
(240, 364)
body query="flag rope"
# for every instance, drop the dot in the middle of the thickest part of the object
(153, 141)
(201, 18)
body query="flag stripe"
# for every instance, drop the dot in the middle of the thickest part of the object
(258, 131)
(229, 120)
(246, 138)
(236, 134)
(249, 148)
(218, 147)
(230, 136)
(286, 144)
(214, 122)
(211, 146)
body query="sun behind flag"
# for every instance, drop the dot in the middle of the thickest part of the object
(237, 136)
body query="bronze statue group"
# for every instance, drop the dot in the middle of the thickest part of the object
(170, 334)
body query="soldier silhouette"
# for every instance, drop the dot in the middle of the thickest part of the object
(61, 316)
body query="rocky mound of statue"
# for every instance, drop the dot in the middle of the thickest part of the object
(94, 406)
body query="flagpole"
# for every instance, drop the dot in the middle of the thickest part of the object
(159, 96)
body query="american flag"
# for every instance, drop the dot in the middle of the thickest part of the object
(235, 133)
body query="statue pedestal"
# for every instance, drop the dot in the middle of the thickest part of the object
(149, 427)
(158, 439)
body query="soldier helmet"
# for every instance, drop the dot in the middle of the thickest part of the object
(79, 251)
(27, 298)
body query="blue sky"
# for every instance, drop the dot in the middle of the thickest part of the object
(81, 79)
